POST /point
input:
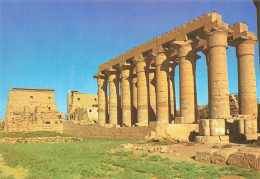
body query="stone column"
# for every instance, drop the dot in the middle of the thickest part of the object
(126, 94)
(187, 59)
(142, 92)
(172, 90)
(102, 98)
(134, 97)
(205, 52)
(152, 94)
(113, 78)
(162, 98)
(245, 51)
(257, 5)
(218, 91)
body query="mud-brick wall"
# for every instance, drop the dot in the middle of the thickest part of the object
(131, 133)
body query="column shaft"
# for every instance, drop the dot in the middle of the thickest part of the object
(102, 100)
(172, 93)
(245, 51)
(162, 98)
(219, 95)
(142, 94)
(134, 99)
(126, 96)
(152, 95)
(113, 97)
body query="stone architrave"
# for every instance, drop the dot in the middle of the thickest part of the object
(218, 76)
(142, 92)
(187, 59)
(172, 90)
(126, 75)
(102, 98)
(113, 78)
(162, 98)
(245, 51)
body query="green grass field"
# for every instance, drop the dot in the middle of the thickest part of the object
(92, 158)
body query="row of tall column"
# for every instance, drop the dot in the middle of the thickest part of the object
(148, 93)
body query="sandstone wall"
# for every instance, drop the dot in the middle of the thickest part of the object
(82, 108)
(32, 110)
(131, 133)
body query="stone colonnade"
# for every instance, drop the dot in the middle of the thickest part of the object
(147, 76)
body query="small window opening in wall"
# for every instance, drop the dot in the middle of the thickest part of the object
(47, 122)
(49, 108)
(95, 99)
(49, 97)
(90, 110)
(31, 97)
(56, 122)
(78, 99)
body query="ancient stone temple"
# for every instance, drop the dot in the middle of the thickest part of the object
(82, 108)
(145, 79)
(32, 110)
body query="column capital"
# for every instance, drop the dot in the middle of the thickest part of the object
(138, 60)
(244, 37)
(185, 48)
(99, 75)
(110, 71)
(257, 3)
(124, 66)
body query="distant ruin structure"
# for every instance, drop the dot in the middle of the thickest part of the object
(82, 108)
(145, 79)
(32, 110)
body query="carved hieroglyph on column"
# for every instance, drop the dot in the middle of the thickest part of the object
(126, 93)
(172, 90)
(102, 98)
(162, 98)
(219, 95)
(113, 78)
(142, 92)
(187, 59)
(152, 94)
(245, 51)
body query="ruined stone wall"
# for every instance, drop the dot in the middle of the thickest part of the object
(233, 103)
(32, 110)
(82, 108)
(131, 133)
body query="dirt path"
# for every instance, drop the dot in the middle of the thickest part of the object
(17, 173)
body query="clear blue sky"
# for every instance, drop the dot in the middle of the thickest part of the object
(59, 44)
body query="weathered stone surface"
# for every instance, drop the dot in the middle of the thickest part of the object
(212, 139)
(205, 155)
(221, 156)
(182, 132)
(245, 159)
(83, 108)
(32, 110)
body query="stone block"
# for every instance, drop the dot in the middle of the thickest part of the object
(182, 132)
(221, 156)
(205, 155)
(212, 139)
(252, 136)
(179, 120)
(245, 159)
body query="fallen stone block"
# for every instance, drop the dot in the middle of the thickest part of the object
(221, 156)
(205, 155)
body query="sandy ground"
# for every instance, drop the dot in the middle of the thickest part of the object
(17, 173)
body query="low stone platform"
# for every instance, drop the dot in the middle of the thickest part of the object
(39, 140)
(212, 139)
